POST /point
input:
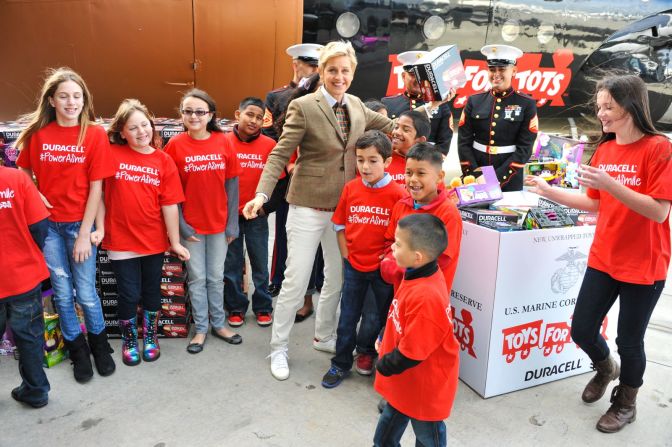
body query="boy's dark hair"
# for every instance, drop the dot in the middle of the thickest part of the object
(377, 139)
(426, 233)
(426, 152)
(374, 105)
(420, 121)
(251, 101)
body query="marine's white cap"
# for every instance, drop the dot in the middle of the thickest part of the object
(409, 58)
(306, 52)
(501, 55)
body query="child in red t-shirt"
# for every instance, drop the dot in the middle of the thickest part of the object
(419, 355)
(23, 228)
(69, 157)
(208, 170)
(424, 177)
(360, 221)
(141, 222)
(252, 149)
(629, 184)
(412, 127)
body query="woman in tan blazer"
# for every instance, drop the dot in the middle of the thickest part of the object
(325, 125)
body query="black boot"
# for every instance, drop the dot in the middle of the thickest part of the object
(81, 361)
(101, 351)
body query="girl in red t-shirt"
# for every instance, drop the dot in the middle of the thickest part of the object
(141, 220)
(208, 168)
(628, 182)
(68, 155)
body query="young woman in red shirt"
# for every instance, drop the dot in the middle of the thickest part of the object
(208, 169)
(628, 182)
(141, 220)
(69, 157)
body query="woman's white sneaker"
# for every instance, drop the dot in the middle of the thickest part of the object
(279, 365)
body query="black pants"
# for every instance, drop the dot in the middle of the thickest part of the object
(598, 293)
(138, 281)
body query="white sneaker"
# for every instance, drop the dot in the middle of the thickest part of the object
(325, 345)
(279, 366)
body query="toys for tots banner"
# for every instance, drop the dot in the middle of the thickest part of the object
(544, 83)
(526, 327)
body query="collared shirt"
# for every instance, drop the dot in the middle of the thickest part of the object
(383, 182)
(331, 100)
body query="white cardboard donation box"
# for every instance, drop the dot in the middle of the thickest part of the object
(513, 298)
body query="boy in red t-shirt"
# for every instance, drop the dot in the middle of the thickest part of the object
(412, 127)
(419, 355)
(360, 220)
(252, 149)
(23, 229)
(424, 178)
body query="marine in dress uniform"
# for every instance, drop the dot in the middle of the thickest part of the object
(304, 63)
(411, 98)
(498, 127)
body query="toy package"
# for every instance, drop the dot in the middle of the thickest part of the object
(541, 218)
(8, 153)
(54, 346)
(566, 151)
(7, 345)
(439, 71)
(481, 191)
(579, 217)
(553, 172)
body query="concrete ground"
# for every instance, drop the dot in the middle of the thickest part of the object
(226, 396)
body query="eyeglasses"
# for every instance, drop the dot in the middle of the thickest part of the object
(198, 113)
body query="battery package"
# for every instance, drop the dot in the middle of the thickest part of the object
(480, 216)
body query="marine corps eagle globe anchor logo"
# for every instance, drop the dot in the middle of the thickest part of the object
(565, 277)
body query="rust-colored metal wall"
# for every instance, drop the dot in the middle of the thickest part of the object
(240, 47)
(149, 49)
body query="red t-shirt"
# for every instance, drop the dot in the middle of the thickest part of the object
(204, 165)
(20, 206)
(628, 246)
(64, 170)
(365, 212)
(142, 184)
(419, 325)
(443, 208)
(252, 157)
(397, 169)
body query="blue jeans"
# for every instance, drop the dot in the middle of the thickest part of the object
(206, 280)
(255, 235)
(68, 276)
(24, 313)
(392, 424)
(353, 294)
(138, 281)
